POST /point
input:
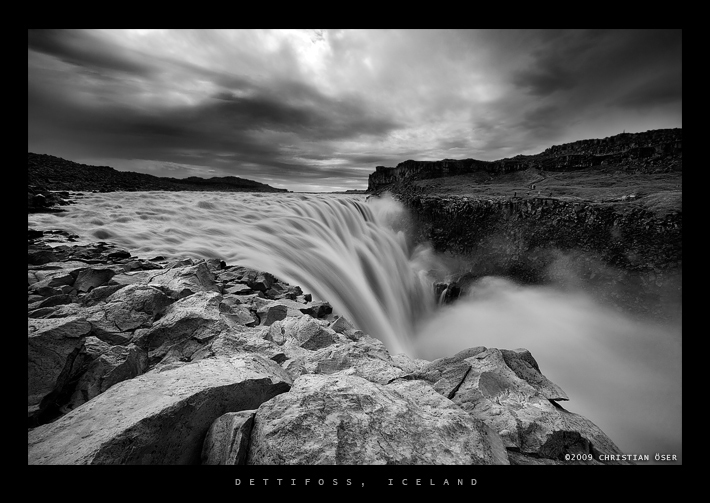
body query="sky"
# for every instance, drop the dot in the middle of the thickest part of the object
(318, 110)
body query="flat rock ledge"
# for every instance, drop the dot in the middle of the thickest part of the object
(184, 361)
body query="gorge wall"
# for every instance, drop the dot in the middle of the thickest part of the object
(558, 216)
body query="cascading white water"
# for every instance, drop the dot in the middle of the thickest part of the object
(338, 247)
(623, 374)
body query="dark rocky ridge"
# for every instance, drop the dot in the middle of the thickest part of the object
(651, 151)
(56, 174)
(606, 213)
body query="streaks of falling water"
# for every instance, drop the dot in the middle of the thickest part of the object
(340, 248)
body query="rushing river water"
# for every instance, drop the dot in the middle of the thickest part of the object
(622, 373)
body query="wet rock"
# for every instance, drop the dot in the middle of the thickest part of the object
(196, 316)
(304, 332)
(52, 346)
(180, 281)
(99, 294)
(92, 277)
(271, 312)
(115, 364)
(318, 309)
(160, 417)
(481, 382)
(526, 368)
(227, 440)
(367, 358)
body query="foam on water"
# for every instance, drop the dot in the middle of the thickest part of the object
(622, 373)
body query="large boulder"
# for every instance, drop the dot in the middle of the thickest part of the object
(196, 316)
(161, 417)
(52, 346)
(305, 332)
(115, 364)
(345, 419)
(130, 308)
(183, 280)
(367, 358)
(227, 441)
(92, 277)
(519, 403)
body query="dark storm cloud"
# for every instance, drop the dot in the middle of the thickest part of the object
(294, 108)
(662, 90)
(86, 50)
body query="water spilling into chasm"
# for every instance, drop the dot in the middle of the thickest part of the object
(622, 373)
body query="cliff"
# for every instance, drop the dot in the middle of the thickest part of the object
(606, 213)
(651, 151)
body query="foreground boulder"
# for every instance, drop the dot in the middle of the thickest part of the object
(345, 419)
(52, 346)
(160, 417)
(506, 390)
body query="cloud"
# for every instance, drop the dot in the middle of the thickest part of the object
(81, 48)
(660, 91)
(287, 103)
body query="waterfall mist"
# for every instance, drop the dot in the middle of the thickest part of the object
(622, 373)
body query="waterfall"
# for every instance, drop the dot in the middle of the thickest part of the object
(340, 248)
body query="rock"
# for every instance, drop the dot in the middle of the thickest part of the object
(480, 382)
(142, 298)
(227, 440)
(293, 308)
(237, 314)
(271, 312)
(526, 368)
(367, 358)
(181, 281)
(115, 364)
(317, 309)
(99, 294)
(52, 346)
(54, 300)
(258, 280)
(92, 277)
(196, 316)
(304, 332)
(158, 417)
(343, 419)
(238, 289)
(342, 325)
(236, 341)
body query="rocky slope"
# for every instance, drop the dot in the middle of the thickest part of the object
(178, 361)
(49, 173)
(651, 151)
(604, 212)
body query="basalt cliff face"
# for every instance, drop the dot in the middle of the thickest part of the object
(651, 151)
(606, 213)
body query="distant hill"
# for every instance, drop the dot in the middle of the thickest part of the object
(54, 173)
